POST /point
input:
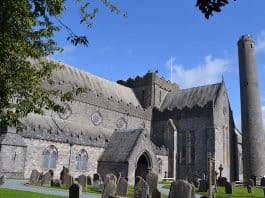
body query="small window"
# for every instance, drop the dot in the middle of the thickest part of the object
(143, 95)
(49, 157)
(81, 161)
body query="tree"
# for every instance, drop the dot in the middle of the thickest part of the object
(26, 37)
(207, 7)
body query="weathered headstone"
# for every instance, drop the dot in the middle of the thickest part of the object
(122, 187)
(64, 172)
(89, 180)
(39, 182)
(75, 191)
(68, 180)
(2, 179)
(152, 180)
(196, 182)
(228, 188)
(250, 185)
(96, 181)
(34, 177)
(156, 194)
(141, 189)
(46, 179)
(109, 188)
(262, 181)
(82, 179)
(203, 186)
(180, 188)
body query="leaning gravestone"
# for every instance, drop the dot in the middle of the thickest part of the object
(180, 189)
(34, 177)
(46, 179)
(75, 191)
(89, 180)
(262, 181)
(82, 179)
(228, 188)
(109, 188)
(68, 180)
(122, 187)
(152, 180)
(96, 181)
(203, 186)
(64, 172)
(156, 194)
(2, 179)
(141, 189)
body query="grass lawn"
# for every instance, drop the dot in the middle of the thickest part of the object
(9, 193)
(238, 192)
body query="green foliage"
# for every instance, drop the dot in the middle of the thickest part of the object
(8, 193)
(26, 37)
(207, 7)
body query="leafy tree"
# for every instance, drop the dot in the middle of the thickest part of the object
(27, 28)
(207, 7)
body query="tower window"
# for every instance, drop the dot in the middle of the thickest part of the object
(160, 96)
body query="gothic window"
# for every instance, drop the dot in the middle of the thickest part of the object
(186, 142)
(49, 157)
(81, 161)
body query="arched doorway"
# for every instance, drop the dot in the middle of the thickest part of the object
(143, 165)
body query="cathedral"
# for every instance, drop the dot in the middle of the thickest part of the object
(128, 127)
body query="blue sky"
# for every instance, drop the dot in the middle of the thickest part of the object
(154, 31)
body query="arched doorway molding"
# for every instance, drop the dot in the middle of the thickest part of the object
(143, 164)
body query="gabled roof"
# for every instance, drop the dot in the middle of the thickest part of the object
(73, 76)
(199, 96)
(120, 146)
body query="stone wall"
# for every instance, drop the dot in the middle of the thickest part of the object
(163, 167)
(34, 158)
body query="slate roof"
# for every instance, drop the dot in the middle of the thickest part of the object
(13, 139)
(190, 97)
(70, 75)
(120, 146)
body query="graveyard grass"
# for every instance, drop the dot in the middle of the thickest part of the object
(238, 192)
(8, 193)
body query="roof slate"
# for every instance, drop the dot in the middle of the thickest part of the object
(190, 97)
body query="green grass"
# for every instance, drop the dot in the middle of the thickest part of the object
(238, 192)
(90, 189)
(8, 193)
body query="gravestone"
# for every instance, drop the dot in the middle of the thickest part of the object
(203, 186)
(109, 187)
(96, 181)
(156, 194)
(39, 183)
(152, 180)
(180, 188)
(196, 182)
(75, 191)
(122, 187)
(228, 188)
(89, 180)
(82, 179)
(64, 172)
(68, 180)
(141, 189)
(262, 181)
(2, 179)
(46, 179)
(34, 177)
(250, 185)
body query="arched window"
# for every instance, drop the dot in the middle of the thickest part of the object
(49, 157)
(81, 160)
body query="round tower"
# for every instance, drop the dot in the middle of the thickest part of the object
(253, 144)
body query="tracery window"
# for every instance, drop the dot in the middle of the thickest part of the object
(81, 160)
(49, 157)
(186, 144)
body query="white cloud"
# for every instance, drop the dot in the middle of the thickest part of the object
(260, 44)
(66, 56)
(210, 71)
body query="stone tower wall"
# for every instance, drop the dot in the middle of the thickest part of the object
(252, 128)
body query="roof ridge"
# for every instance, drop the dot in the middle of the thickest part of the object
(198, 87)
